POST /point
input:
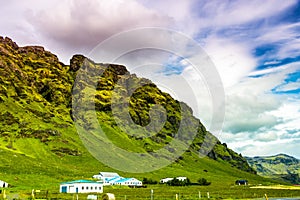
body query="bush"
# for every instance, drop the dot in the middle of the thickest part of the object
(203, 181)
(149, 181)
(177, 182)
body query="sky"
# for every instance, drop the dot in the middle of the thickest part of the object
(254, 46)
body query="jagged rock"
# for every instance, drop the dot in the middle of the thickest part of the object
(76, 62)
(9, 42)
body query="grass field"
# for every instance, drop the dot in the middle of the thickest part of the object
(37, 168)
(163, 192)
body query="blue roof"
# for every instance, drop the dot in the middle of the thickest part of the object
(126, 179)
(80, 181)
(123, 180)
(111, 179)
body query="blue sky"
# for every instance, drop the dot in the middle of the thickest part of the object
(254, 45)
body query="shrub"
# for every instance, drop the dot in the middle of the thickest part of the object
(149, 181)
(203, 181)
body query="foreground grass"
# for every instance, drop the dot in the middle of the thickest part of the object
(163, 192)
(193, 192)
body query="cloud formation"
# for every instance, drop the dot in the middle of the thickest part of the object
(255, 47)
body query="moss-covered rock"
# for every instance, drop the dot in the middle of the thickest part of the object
(36, 93)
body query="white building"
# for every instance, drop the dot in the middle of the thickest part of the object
(181, 178)
(81, 186)
(3, 184)
(165, 180)
(107, 177)
(103, 175)
(128, 182)
(112, 178)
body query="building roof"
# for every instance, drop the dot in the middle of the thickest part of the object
(109, 174)
(126, 179)
(113, 178)
(81, 181)
(167, 179)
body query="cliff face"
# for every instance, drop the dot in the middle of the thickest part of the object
(281, 166)
(36, 93)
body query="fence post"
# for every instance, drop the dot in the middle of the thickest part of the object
(266, 196)
(208, 195)
(199, 195)
(151, 194)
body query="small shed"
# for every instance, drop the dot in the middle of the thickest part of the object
(81, 186)
(165, 180)
(241, 182)
(181, 178)
(3, 184)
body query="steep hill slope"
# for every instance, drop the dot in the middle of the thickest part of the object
(40, 146)
(281, 166)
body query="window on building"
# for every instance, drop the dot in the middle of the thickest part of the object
(87, 187)
(91, 188)
(82, 188)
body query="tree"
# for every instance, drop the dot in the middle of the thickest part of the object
(178, 182)
(203, 181)
(149, 181)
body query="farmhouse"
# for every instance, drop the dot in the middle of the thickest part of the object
(3, 184)
(81, 186)
(107, 177)
(112, 178)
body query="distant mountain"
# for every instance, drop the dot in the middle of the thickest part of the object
(281, 167)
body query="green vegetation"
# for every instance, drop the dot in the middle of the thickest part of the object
(279, 167)
(203, 181)
(40, 146)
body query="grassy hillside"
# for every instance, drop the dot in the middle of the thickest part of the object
(281, 167)
(39, 143)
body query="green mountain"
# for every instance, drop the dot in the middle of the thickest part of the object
(41, 98)
(281, 167)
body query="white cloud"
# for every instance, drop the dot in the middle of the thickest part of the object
(288, 86)
(259, 122)
(283, 32)
(273, 62)
(233, 61)
(76, 26)
(266, 136)
(180, 13)
(284, 36)
(230, 13)
(268, 70)
(254, 148)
